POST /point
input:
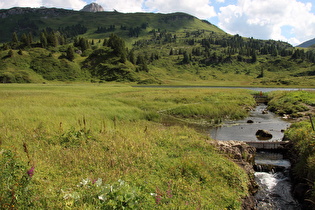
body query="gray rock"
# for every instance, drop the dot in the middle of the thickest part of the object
(93, 7)
(263, 134)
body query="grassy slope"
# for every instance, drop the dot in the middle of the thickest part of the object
(74, 132)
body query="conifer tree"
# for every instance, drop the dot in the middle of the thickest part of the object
(43, 40)
(186, 57)
(15, 39)
(131, 57)
(30, 37)
(25, 40)
(254, 56)
(118, 46)
(70, 53)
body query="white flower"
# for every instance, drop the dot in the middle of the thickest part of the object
(84, 182)
(102, 197)
(98, 182)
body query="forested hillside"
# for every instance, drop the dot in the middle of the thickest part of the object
(40, 45)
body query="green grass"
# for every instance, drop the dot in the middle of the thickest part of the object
(76, 132)
(301, 135)
(291, 102)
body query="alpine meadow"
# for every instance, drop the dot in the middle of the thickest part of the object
(110, 110)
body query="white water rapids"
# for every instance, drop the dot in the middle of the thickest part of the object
(275, 187)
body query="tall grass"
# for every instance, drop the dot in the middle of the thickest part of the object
(109, 138)
(291, 102)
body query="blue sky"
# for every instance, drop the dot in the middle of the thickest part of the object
(292, 21)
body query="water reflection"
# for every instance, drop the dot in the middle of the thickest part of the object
(241, 130)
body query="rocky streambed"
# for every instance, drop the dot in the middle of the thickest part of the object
(269, 180)
(269, 172)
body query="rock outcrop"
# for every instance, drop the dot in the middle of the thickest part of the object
(46, 12)
(93, 7)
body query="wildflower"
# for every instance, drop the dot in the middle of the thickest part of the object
(169, 191)
(158, 199)
(158, 196)
(31, 172)
(102, 197)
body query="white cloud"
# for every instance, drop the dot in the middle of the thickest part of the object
(264, 19)
(68, 4)
(6, 4)
(122, 5)
(198, 8)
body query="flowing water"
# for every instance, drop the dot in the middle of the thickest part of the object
(274, 184)
(272, 170)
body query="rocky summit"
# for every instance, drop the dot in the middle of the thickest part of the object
(93, 7)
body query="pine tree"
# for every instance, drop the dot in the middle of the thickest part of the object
(131, 57)
(70, 53)
(15, 39)
(30, 38)
(52, 39)
(186, 57)
(171, 52)
(254, 56)
(43, 40)
(25, 40)
(118, 46)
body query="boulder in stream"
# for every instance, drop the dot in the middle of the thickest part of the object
(265, 111)
(263, 135)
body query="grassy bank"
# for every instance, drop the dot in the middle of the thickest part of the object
(103, 146)
(300, 104)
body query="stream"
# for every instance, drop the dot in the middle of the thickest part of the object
(272, 169)
(240, 130)
(275, 184)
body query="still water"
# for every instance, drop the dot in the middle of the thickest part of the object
(240, 130)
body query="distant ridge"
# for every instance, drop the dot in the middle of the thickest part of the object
(93, 7)
(307, 43)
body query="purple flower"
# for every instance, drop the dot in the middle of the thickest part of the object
(31, 172)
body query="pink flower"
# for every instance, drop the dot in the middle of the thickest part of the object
(31, 172)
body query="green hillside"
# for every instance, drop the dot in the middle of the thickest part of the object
(309, 43)
(42, 45)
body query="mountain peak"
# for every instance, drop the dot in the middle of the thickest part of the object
(93, 7)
